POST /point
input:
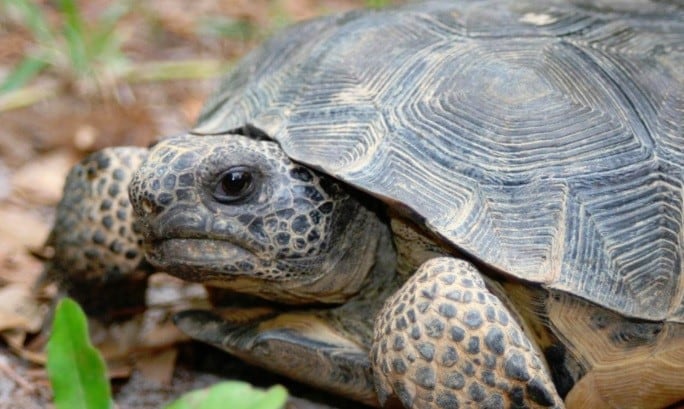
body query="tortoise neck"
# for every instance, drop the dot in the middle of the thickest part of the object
(413, 246)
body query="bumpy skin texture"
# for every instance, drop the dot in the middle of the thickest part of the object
(287, 238)
(97, 247)
(445, 341)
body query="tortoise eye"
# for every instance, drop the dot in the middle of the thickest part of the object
(235, 184)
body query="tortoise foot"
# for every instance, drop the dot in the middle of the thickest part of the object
(445, 341)
(299, 345)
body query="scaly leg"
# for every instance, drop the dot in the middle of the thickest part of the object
(97, 256)
(445, 341)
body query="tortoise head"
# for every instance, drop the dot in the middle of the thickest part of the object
(234, 212)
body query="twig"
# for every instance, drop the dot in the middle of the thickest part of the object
(12, 374)
(27, 96)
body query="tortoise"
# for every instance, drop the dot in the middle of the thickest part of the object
(445, 204)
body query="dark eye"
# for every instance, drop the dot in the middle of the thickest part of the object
(236, 183)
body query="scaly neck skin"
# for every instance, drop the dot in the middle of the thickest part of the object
(356, 317)
(413, 246)
(350, 265)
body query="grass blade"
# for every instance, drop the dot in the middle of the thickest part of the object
(174, 70)
(103, 39)
(24, 72)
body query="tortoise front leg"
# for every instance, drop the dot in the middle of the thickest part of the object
(445, 341)
(300, 345)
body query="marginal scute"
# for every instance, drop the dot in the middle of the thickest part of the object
(646, 359)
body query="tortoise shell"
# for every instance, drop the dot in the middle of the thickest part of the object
(544, 140)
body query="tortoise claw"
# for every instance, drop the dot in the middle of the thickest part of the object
(299, 345)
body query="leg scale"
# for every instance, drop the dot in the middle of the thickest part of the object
(445, 341)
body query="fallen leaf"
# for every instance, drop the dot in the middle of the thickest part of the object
(15, 340)
(158, 367)
(19, 309)
(118, 341)
(162, 336)
(31, 234)
(41, 180)
(119, 369)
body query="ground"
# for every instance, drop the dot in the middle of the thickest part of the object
(52, 121)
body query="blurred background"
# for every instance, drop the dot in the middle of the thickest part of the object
(80, 75)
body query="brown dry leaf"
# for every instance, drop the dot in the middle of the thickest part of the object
(117, 341)
(162, 336)
(19, 310)
(119, 369)
(14, 338)
(191, 108)
(298, 10)
(158, 367)
(16, 264)
(41, 180)
(173, 294)
(22, 229)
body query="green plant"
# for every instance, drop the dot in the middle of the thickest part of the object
(77, 372)
(87, 54)
(236, 395)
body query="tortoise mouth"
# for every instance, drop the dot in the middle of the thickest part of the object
(221, 264)
(186, 257)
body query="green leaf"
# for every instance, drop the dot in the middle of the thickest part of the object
(24, 72)
(76, 369)
(236, 395)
